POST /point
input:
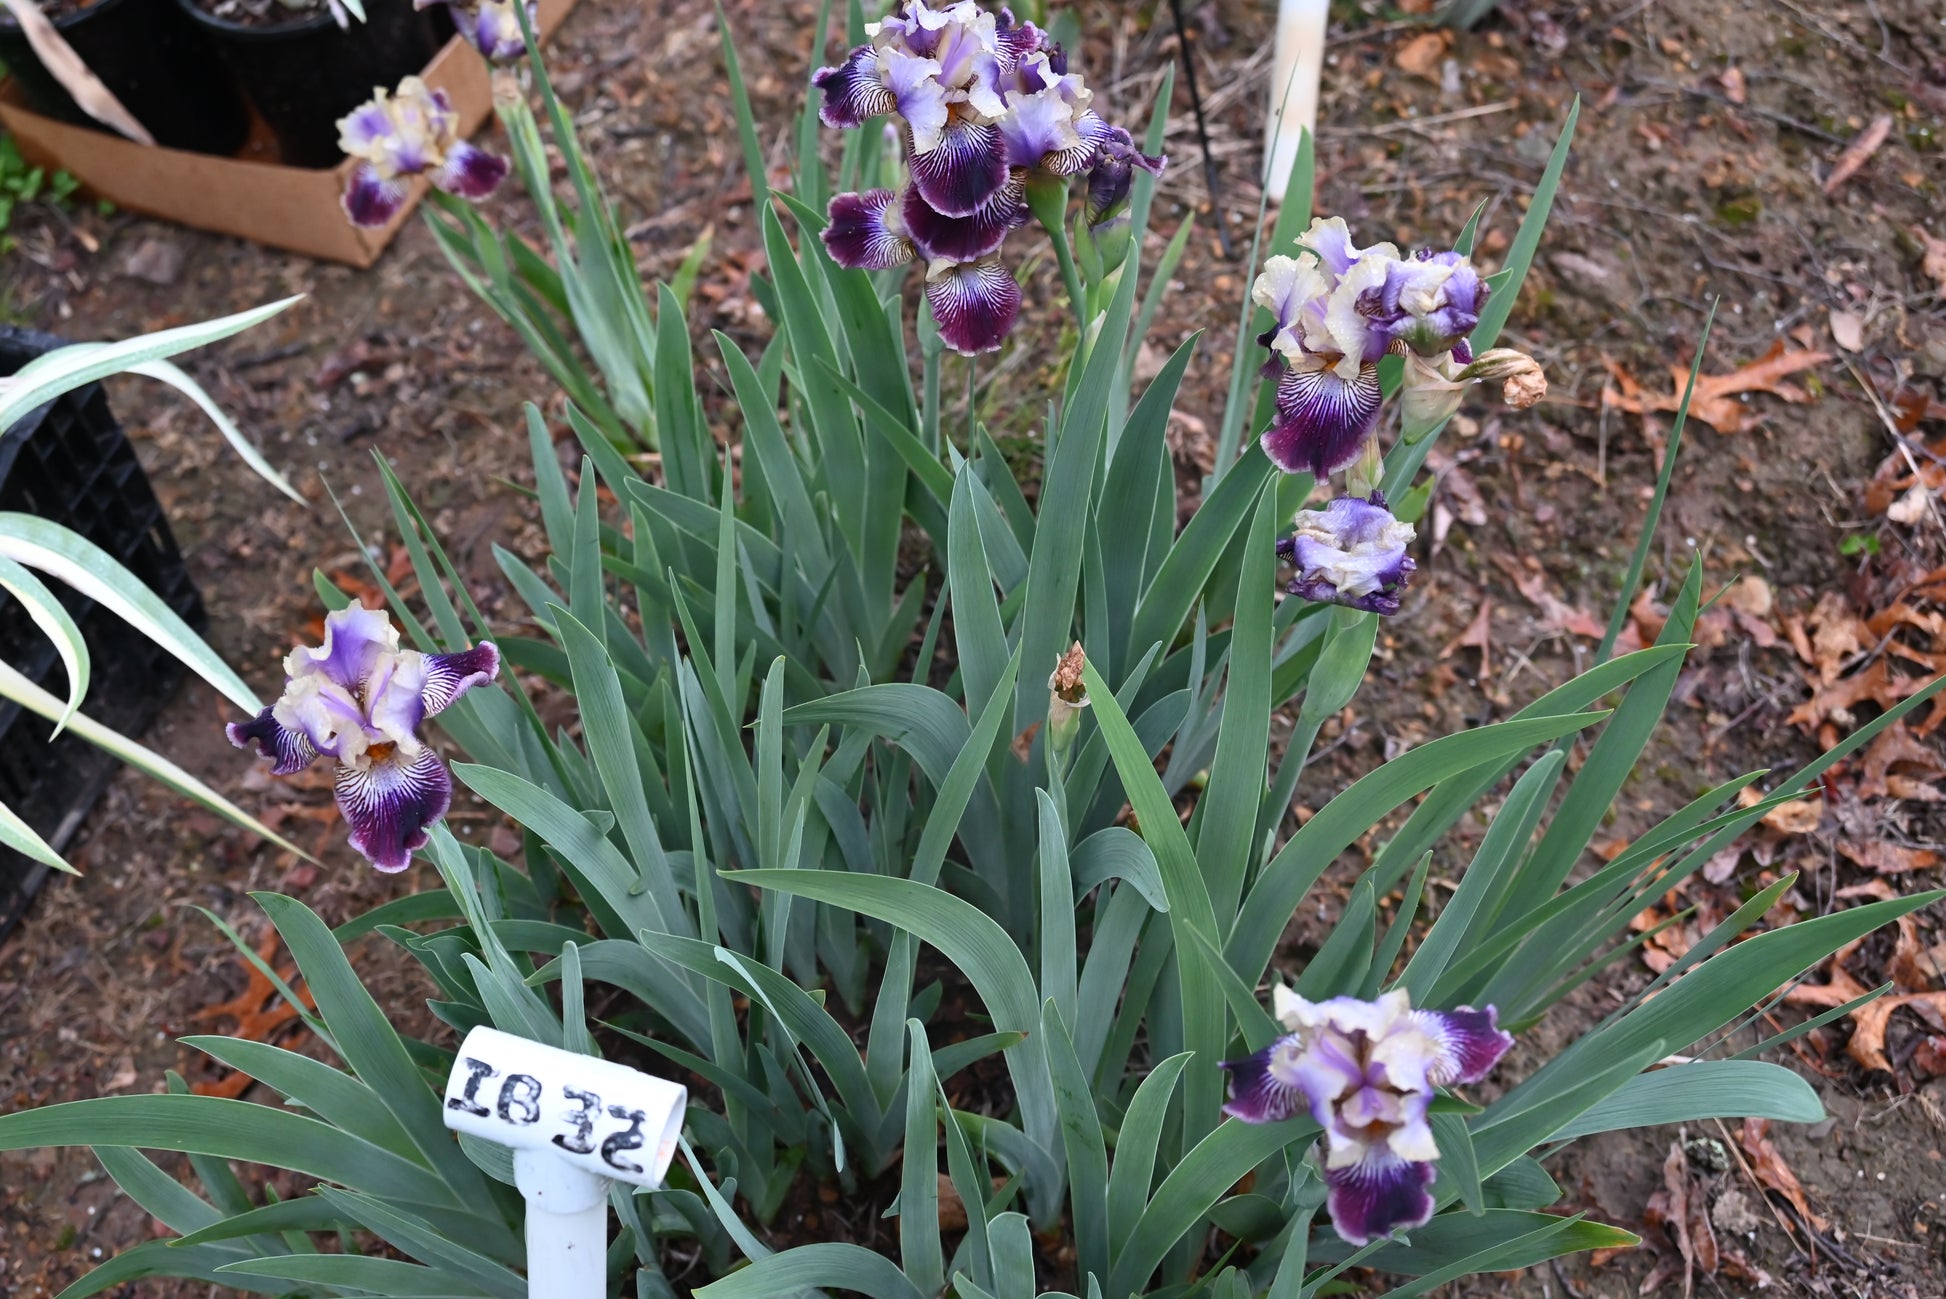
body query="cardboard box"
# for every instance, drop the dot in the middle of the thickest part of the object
(285, 207)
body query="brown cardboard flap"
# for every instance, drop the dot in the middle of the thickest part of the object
(294, 208)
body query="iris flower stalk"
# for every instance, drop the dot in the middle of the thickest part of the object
(359, 700)
(1367, 1071)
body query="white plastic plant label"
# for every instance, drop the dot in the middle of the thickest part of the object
(601, 1117)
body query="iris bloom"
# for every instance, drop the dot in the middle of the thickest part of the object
(1338, 309)
(359, 700)
(1352, 552)
(410, 132)
(989, 107)
(1326, 348)
(490, 26)
(1366, 1071)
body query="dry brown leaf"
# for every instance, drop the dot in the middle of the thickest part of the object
(1934, 260)
(1751, 595)
(1799, 816)
(1422, 55)
(952, 1209)
(1715, 399)
(68, 68)
(1835, 701)
(1896, 747)
(1557, 615)
(1772, 1171)
(1848, 330)
(1476, 636)
(1858, 152)
(1887, 858)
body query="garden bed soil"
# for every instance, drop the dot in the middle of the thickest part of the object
(1705, 136)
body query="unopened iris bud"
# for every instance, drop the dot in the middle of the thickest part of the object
(1367, 472)
(1523, 382)
(1066, 697)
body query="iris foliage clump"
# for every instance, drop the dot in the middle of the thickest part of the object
(818, 793)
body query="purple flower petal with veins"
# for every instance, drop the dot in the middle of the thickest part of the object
(973, 304)
(1373, 1199)
(852, 90)
(1260, 1093)
(359, 700)
(470, 171)
(370, 200)
(963, 170)
(964, 238)
(1323, 418)
(390, 807)
(291, 751)
(1470, 1042)
(866, 232)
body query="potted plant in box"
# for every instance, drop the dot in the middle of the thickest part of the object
(306, 63)
(160, 65)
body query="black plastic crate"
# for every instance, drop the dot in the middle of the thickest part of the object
(70, 462)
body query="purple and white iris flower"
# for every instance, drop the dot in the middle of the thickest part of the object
(359, 700)
(412, 131)
(1352, 552)
(1326, 348)
(1366, 1071)
(989, 109)
(490, 26)
(1428, 302)
(1338, 309)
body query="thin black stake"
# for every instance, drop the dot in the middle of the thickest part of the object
(1202, 132)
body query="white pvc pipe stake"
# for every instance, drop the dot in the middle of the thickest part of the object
(574, 1124)
(1294, 83)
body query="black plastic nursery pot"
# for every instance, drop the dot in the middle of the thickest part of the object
(305, 74)
(70, 462)
(162, 67)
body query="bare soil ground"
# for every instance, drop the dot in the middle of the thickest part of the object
(1708, 134)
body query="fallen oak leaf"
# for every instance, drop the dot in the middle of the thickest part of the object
(1557, 615)
(1887, 858)
(1771, 1170)
(1895, 747)
(1714, 399)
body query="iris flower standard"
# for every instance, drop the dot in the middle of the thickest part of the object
(412, 131)
(1366, 1071)
(359, 700)
(991, 113)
